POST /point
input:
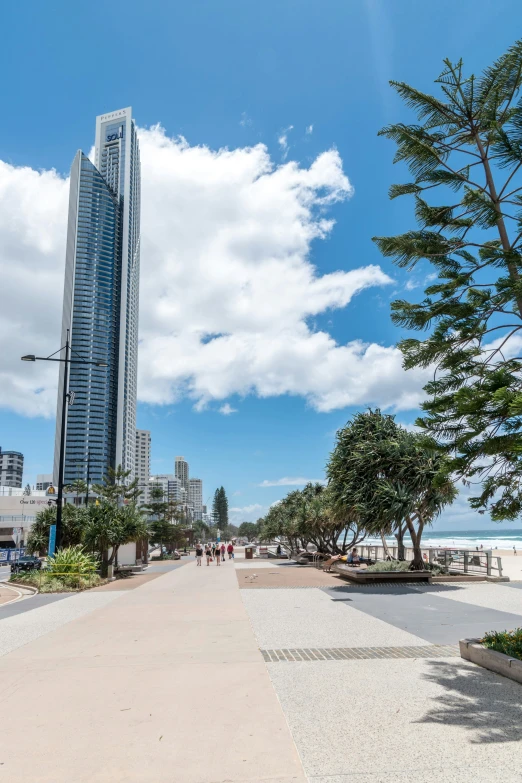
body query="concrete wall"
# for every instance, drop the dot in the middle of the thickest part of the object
(127, 554)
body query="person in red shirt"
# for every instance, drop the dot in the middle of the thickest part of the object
(230, 550)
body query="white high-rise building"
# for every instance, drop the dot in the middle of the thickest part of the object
(100, 306)
(171, 486)
(195, 497)
(181, 471)
(11, 468)
(142, 464)
(44, 481)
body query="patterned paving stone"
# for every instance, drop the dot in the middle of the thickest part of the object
(359, 653)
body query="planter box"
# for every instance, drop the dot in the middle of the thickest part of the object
(362, 575)
(472, 650)
(454, 578)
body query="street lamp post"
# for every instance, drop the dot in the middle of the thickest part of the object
(65, 398)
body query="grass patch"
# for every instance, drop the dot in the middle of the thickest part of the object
(507, 642)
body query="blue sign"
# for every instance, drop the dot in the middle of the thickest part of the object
(52, 540)
(114, 136)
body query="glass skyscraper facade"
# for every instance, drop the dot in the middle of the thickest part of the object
(101, 301)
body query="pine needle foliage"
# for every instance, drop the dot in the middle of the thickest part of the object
(465, 157)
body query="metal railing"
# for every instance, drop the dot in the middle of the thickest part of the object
(452, 561)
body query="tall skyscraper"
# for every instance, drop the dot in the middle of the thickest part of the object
(101, 299)
(181, 471)
(142, 469)
(195, 497)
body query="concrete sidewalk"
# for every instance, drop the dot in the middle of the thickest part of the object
(163, 684)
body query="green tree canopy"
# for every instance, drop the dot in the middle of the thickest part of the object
(73, 523)
(388, 478)
(117, 488)
(249, 530)
(465, 157)
(309, 516)
(220, 509)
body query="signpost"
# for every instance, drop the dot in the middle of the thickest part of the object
(52, 540)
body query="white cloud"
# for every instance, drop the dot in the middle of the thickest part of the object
(245, 120)
(246, 513)
(409, 426)
(290, 482)
(227, 409)
(33, 212)
(227, 288)
(309, 130)
(283, 141)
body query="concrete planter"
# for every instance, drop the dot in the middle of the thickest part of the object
(473, 651)
(362, 575)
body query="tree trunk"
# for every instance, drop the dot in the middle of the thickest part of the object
(387, 554)
(501, 225)
(399, 535)
(417, 564)
(104, 563)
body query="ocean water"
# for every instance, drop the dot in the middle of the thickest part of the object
(496, 538)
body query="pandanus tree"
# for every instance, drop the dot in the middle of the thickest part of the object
(365, 455)
(309, 516)
(73, 521)
(465, 157)
(108, 527)
(390, 479)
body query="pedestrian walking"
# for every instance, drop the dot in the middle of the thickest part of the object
(213, 549)
(515, 549)
(230, 550)
(208, 554)
(222, 550)
(218, 555)
(199, 554)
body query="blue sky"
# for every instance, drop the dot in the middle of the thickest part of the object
(224, 73)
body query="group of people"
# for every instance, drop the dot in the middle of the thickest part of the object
(214, 551)
(352, 559)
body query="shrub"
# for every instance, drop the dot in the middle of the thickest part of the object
(507, 642)
(47, 582)
(72, 560)
(390, 565)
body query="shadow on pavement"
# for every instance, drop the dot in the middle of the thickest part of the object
(477, 700)
(388, 588)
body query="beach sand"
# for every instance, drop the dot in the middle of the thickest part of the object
(511, 564)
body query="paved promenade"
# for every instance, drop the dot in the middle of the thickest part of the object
(257, 672)
(371, 682)
(162, 683)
